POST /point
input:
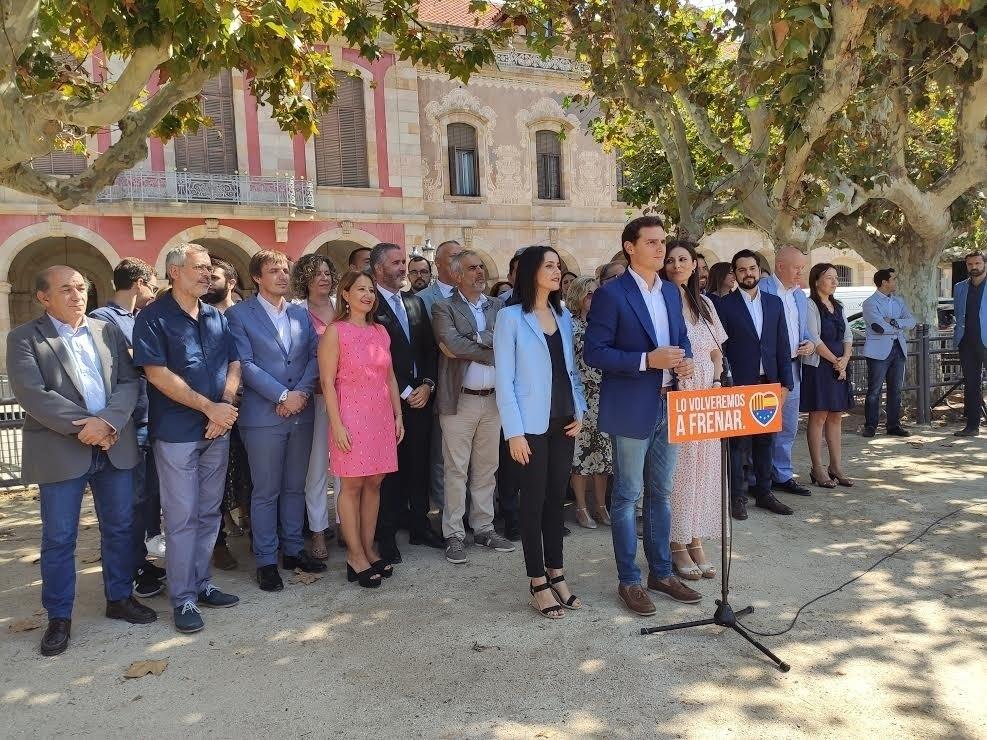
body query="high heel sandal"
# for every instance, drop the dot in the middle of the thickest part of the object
(382, 568)
(549, 612)
(708, 571)
(364, 577)
(845, 482)
(603, 516)
(583, 519)
(689, 573)
(820, 482)
(572, 602)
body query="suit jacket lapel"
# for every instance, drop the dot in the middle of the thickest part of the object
(633, 293)
(266, 322)
(744, 311)
(47, 330)
(384, 307)
(459, 304)
(532, 321)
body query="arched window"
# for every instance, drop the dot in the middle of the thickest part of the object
(548, 150)
(844, 274)
(341, 144)
(212, 150)
(464, 170)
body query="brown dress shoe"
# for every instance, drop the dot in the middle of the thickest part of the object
(223, 559)
(636, 599)
(769, 502)
(674, 589)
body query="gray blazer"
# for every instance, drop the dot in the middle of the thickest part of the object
(814, 321)
(46, 385)
(455, 333)
(430, 296)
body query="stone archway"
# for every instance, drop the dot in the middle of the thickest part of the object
(338, 252)
(56, 250)
(236, 256)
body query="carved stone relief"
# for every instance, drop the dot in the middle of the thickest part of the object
(510, 181)
(592, 187)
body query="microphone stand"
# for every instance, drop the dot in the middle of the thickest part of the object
(724, 616)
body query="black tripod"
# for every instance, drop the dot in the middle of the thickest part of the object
(724, 616)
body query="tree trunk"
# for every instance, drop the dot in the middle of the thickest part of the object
(917, 268)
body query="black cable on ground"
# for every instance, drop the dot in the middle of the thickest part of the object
(891, 554)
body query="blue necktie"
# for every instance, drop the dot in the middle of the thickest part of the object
(400, 313)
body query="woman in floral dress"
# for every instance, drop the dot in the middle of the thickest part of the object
(592, 462)
(696, 484)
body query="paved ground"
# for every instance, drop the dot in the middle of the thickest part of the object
(451, 652)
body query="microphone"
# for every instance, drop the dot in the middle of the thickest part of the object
(726, 377)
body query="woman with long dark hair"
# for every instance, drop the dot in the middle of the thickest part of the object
(365, 424)
(720, 282)
(825, 393)
(540, 399)
(696, 483)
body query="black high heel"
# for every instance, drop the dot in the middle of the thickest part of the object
(821, 483)
(364, 577)
(845, 482)
(549, 612)
(382, 568)
(571, 602)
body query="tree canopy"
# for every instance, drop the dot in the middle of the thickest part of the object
(50, 99)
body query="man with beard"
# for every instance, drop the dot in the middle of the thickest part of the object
(223, 281)
(970, 338)
(703, 268)
(419, 273)
(759, 351)
(193, 373)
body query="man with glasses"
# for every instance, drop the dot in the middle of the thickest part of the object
(419, 273)
(135, 286)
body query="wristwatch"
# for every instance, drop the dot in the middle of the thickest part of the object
(429, 382)
(284, 397)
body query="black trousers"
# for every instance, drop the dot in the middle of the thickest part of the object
(758, 447)
(508, 483)
(973, 357)
(404, 494)
(543, 483)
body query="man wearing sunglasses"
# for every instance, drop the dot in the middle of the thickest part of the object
(135, 286)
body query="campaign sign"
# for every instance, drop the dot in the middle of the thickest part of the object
(724, 412)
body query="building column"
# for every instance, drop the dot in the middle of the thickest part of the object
(5, 327)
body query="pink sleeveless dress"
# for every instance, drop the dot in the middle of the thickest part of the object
(364, 402)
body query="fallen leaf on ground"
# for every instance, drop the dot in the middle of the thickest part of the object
(141, 668)
(91, 558)
(917, 445)
(25, 625)
(304, 578)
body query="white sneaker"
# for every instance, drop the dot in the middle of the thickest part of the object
(156, 546)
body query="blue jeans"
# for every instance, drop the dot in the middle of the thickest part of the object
(147, 498)
(781, 451)
(649, 464)
(113, 496)
(893, 369)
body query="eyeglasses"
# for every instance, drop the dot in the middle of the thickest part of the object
(420, 272)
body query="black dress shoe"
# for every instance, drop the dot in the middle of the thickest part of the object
(868, 432)
(899, 432)
(304, 562)
(388, 550)
(269, 579)
(56, 637)
(967, 432)
(769, 502)
(512, 531)
(130, 610)
(791, 486)
(738, 507)
(428, 538)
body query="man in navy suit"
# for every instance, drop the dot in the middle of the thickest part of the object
(970, 338)
(277, 347)
(759, 351)
(636, 335)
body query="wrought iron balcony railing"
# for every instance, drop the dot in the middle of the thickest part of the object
(143, 186)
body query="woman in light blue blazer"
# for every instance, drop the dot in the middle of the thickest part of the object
(540, 398)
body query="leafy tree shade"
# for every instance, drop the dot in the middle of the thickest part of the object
(49, 100)
(848, 122)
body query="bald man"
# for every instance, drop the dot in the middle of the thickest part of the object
(786, 284)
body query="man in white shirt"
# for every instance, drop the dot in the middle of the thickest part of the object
(786, 284)
(467, 407)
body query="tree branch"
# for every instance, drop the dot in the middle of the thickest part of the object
(18, 20)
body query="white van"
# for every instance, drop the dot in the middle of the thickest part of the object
(851, 298)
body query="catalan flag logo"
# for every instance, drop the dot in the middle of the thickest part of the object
(763, 407)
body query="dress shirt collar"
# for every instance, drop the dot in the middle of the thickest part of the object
(445, 290)
(747, 296)
(271, 308)
(782, 290)
(643, 285)
(475, 306)
(67, 331)
(387, 294)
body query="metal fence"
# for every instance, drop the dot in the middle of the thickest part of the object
(11, 421)
(141, 186)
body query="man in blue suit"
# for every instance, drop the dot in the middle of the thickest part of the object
(785, 283)
(758, 349)
(888, 321)
(636, 335)
(277, 347)
(970, 337)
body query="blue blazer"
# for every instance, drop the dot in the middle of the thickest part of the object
(960, 292)
(745, 351)
(767, 285)
(618, 331)
(523, 368)
(268, 369)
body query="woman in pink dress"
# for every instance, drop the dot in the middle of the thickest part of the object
(696, 484)
(365, 425)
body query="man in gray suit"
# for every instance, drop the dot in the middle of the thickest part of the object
(468, 415)
(277, 345)
(75, 380)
